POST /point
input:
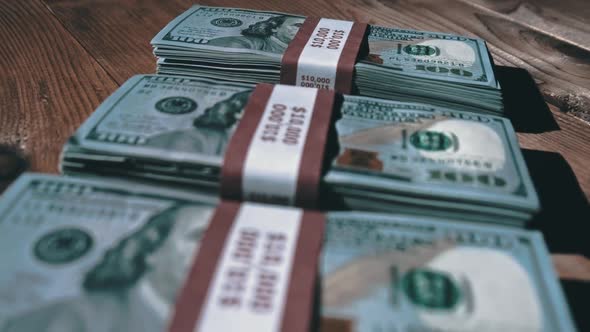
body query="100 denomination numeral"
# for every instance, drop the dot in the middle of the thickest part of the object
(444, 70)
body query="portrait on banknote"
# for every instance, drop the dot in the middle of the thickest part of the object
(271, 35)
(133, 286)
(211, 130)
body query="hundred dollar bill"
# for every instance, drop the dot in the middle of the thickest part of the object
(431, 146)
(431, 54)
(110, 255)
(400, 273)
(177, 128)
(81, 255)
(247, 45)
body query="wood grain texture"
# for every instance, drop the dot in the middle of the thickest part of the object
(65, 57)
(118, 33)
(564, 19)
(575, 267)
(49, 83)
(570, 141)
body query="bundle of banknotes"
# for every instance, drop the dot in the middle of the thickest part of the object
(437, 173)
(401, 64)
(109, 255)
(391, 156)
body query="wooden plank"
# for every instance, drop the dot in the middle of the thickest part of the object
(49, 83)
(118, 33)
(574, 267)
(564, 19)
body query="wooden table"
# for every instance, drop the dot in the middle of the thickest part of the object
(61, 58)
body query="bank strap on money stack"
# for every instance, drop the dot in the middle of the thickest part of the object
(276, 154)
(254, 46)
(83, 254)
(391, 156)
(256, 270)
(257, 266)
(323, 53)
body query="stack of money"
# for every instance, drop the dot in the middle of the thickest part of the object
(87, 255)
(392, 156)
(401, 64)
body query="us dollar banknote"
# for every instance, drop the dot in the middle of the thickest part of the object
(247, 45)
(431, 54)
(431, 146)
(400, 273)
(177, 128)
(82, 254)
(231, 29)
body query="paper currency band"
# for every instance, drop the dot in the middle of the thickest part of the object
(277, 151)
(323, 53)
(256, 269)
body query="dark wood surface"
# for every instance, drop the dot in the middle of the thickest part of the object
(61, 58)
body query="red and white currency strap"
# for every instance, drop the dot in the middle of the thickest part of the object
(255, 271)
(276, 153)
(322, 54)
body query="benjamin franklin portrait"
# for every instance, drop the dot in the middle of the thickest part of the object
(211, 130)
(133, 287)
(272, 35)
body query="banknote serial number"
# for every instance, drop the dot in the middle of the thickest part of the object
(284, 124)
(266, 279)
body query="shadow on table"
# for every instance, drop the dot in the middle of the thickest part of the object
(565, 212)
(12, 163)
(523, 103)
(577, 294)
